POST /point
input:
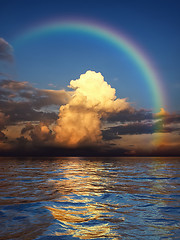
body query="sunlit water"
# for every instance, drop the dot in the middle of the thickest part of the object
(89, 198)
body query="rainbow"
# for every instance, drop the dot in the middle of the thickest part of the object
(118, 39)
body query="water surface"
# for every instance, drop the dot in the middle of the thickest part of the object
(89, 198)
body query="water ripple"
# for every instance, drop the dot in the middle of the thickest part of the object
(89, 198)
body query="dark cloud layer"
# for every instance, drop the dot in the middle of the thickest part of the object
(137, 128)
(130, 129)
(22, 147)
(22, 102)
(131, 115)
(173, 118)
(24, 92)
(110, 135)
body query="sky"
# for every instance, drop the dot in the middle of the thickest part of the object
(78, 92)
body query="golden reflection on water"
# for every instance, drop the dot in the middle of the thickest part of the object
(81, 178)
(75, 220)
(72, 218)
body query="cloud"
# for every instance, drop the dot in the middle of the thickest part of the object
(90, 116)
(23, 102)
(161, 114)
(167, 122)
(168, 146)
(138, 122)
(52, 85)
(27, 128)
(2, 136)
(80, 120)
(11, 89)
(3, 120)
(34, 136)
(109, 135)
(6, 51)
(172, 118)
(131, 129)
(12, 85)
(167, 150)
(24, 111)
(41, 134)
(138, 128)
(51, 97)
(131, 115)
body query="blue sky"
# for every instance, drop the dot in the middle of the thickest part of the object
(57, 59)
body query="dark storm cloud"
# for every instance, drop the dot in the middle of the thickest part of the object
(131, 115)
(50, 97)
(138, 128)
(23, 91)
(131, 128)
(6, 51)
(23, 111)
(173, 118)
(110, 135)
(133, 122)
(168, 123)
(23, 147)
(22, 102)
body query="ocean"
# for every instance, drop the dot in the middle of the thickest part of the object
(90, 198)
